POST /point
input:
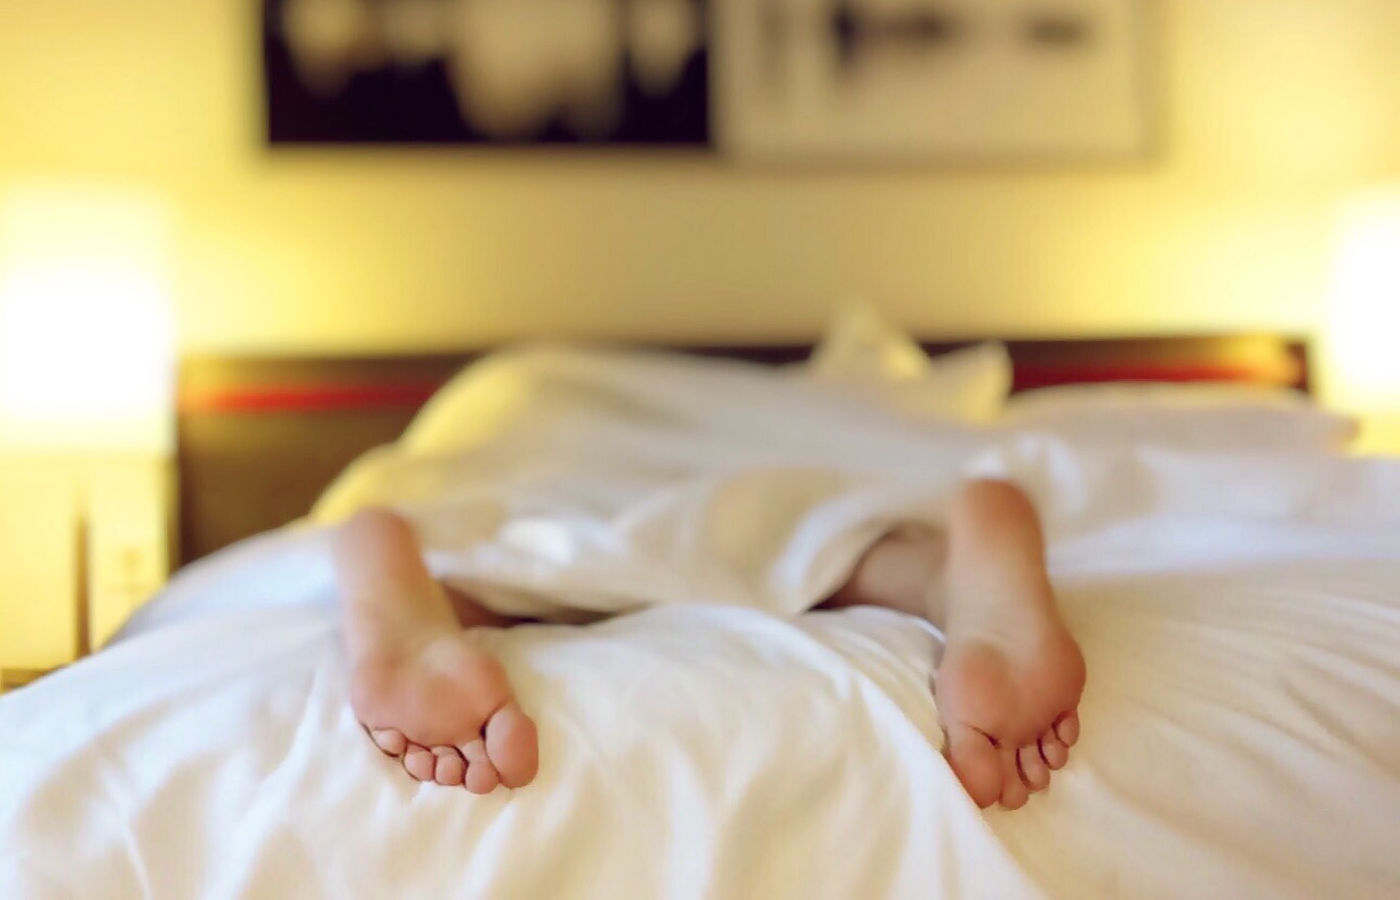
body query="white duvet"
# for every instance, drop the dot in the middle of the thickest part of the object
(1240, 615)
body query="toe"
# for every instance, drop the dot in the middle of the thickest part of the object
(513, 745)
(974, 761)
(389, 740)
(1034, 773)
(419, 763)
(1053, 750)
(1013, 791)
(1067, 729)
(450, 768)
(482, 777)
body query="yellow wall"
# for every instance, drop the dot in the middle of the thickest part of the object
(1272, 107)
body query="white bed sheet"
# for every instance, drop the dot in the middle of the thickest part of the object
(1240, 616)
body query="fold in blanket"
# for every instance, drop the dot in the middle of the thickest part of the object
(615, 482)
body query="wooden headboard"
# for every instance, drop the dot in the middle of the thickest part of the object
(259, 438)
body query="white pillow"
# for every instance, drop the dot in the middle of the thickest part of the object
(1213, 417)
(863, 353)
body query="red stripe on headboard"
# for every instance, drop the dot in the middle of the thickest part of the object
(314, 398)
(1031, 376)
(310, 398)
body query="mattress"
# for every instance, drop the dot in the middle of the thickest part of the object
(1239, 614)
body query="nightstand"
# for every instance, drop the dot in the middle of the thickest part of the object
(84, 541)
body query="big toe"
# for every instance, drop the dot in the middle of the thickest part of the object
(513, 745)
(976, 763)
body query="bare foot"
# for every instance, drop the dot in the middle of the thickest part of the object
(1009, 683)
(423, 690)
(445, 708)
(1009, 704)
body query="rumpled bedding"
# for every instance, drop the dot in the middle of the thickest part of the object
(1240, 615)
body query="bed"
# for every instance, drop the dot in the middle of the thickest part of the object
(1230, 576)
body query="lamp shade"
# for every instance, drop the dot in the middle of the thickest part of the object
(1362, 339)
(86, 356)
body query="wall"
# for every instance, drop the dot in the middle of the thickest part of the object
(1273, 108)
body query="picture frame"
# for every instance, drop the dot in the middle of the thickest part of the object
(781, 82)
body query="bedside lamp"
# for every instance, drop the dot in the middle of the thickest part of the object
(1362, 333)
(85, 322)
(86, 398)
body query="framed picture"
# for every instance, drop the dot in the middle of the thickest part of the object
(512, 72)
(777, 81)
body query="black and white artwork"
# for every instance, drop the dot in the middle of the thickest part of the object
(554, 72)
(765, 80)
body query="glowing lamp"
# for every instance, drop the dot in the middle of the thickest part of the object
(86, 396)
(86, 359)
(1362, 340)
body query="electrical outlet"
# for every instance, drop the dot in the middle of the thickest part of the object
(125, 575)
(128, 516)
